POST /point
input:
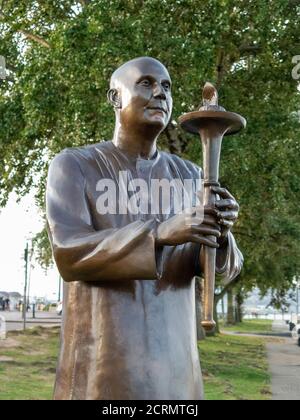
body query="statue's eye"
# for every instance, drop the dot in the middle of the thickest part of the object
(145, 82)
(166, 86)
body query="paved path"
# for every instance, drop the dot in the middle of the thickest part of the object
(284, 362)
(14, 321)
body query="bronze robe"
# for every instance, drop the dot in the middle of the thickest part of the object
(129, 329)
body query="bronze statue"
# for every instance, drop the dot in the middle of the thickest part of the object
(129, 329)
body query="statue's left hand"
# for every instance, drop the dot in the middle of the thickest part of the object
(228, 210)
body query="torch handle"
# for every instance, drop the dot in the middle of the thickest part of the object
(209, 268)
(211, 137)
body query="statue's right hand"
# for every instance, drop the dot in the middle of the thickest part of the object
(190, 227)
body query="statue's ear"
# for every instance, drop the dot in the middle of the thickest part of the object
(114, 98)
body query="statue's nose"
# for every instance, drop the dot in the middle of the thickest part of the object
(159, 92)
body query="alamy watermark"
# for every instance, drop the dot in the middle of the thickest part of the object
(2, 67)
(2, 328)
(162, 196)
(296, 69)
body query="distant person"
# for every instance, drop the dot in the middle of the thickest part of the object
(7, 304)
(292, 326)
(1, 303)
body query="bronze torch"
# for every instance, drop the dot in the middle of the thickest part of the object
(212, 122)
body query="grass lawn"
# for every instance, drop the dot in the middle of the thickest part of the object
(27, 364)
(233, 367)
(255, 326)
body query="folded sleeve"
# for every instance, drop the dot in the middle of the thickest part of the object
(229, 261)
(83, 253)
(177, 265)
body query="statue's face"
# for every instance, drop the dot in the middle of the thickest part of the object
(146, 96)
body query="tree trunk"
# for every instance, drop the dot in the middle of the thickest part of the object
(230, 308)
(223, 309)
(216, 318)
(198, 295)
(239, 310)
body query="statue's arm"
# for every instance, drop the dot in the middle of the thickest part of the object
(82, 253)
(229, 260)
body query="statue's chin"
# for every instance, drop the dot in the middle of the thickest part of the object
(157, 120)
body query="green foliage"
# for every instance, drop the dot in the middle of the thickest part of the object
(61, 54)
(43, 251)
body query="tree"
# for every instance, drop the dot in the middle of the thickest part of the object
(60, 55)
(230, 308)
(239, 300)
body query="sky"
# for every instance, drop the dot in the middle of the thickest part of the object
(19, 222)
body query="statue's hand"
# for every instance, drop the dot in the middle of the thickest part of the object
(190, 227)
(227, 211)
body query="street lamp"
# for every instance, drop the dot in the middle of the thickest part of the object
(297, 299)
(27, 257)
(25, 286)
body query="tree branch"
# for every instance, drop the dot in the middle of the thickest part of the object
(176, 142)
(84, 2)
(251, 49)
(294, 3)
(27, 34)
(220, 67)
(224, 62)
(11, 68)
(35, 38)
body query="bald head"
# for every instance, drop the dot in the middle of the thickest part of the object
(140, 92)
(135, 68)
